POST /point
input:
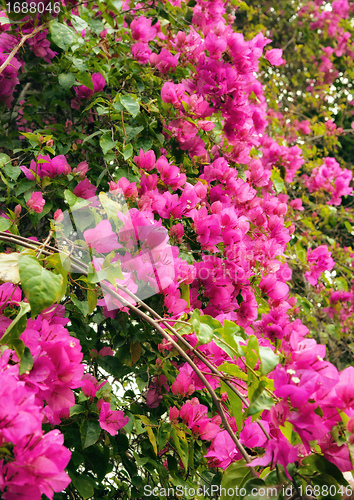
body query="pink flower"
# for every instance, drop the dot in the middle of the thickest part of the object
(173, 413)
(44, 166)
(278, 452)
(106, 351)
(223, 451)
(297, 204)
(319, 260)
(102, 238)
(172, 93)
(164, 61)
(338, 455)
(177, 231)
(142, 30)
(85, 190)
(141, 52)
(215, 45)
(183, 385)
(252, 435)
(36, 202)
(81, 169)
(40, 462)
(274, 56)
(83, 92)
(58, 216)
(345, 388)
(145, 161)
(350, 425)
(275, 289)
(124, 186)
(111, 420)
(90, 385)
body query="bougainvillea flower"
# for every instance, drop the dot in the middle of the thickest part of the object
(102, 238)
(36, 202)
(111, 420)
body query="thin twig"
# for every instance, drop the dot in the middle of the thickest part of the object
(49, 237)
(19, 45)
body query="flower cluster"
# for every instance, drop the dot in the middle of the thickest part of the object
(39, 44)
(330, 178)
(32, 459)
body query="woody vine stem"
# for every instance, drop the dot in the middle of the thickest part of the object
(82, 268)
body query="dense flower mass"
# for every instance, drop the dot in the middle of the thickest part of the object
(198, 197)
(330, 178)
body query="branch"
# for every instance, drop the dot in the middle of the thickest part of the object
(344, 132)
(25, 242)
(19, 45)
(158, 318)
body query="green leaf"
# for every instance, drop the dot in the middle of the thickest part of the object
(78, 23)
(269, 359)
(4, 159)
(277, 180)
(110, 206)
(12, 172)
(18, 345)
(84, 484)
(321, 464)
(231, 335)
(208, 327)
(55, 261)
(342, 284)
(144, 143)
(90, 431)
(81, 305)
(5, 224)
(232, 369)
(85, 79)
(254, 484)
(41, 287)
(205, 334)
(263, 402)
(128, 151)
(91, 301)
(235, 404)
(62, 35)
(113, 366)
(234, 476)
(26, 363)
(149, 430)
(66, 80)
(18, 325)
(89, 137)
(181, 444)
(130, 104)
(163, 434)
(76, 410)
(70, 198)
(106, 142)
(99, 459)
(287, 430)
(131, 132)
(185, 293)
